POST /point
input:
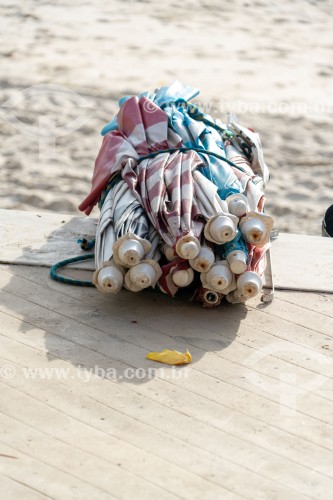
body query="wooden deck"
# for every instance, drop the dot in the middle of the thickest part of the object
(83, 417)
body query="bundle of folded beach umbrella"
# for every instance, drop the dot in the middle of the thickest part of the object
(181, 199)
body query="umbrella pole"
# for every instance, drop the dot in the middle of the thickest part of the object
(268, 289)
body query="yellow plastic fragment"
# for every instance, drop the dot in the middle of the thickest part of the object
(170, 357)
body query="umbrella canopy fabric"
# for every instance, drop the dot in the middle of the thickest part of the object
(160, 97)
(192, 126)
(105, 234)
(121, 214)
(142, 128)
(164, 185)
(128, 214)
(253, 142)
(154, 239)
(196, 134)
(115, 150)
(251, 183)
(207, 197)
(165, 283)
(257, 258)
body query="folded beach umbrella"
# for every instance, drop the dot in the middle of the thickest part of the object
(108, 277)
(221, 226)
(251, 184)
(164, 184)
(147, 272)
(121, 235)
(105, 235)
(143, 275)
(245, 151)
(236, 253)
(131, 227)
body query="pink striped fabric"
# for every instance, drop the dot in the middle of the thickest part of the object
(165, 283)
(164, 185)
(238, 158)
(143, 128)
(257, 258)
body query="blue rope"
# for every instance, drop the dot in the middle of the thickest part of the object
(70, 281)
(86, 244)
(183, 150)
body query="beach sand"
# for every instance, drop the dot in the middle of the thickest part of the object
(64, 68)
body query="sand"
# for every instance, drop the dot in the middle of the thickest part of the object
(64, 68)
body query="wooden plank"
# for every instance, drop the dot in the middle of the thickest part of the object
(105, 321)
(295, 313)
(238, 351)
(244, 413)
(107, 473)
(300, 262)
(12, 489)
(211, 466)
(214, 464)
(42, 238)
(240, 317)
(317, 302)
(48, 481)
(252, 331)
(101, 447)
(177, 399)
(74, 307)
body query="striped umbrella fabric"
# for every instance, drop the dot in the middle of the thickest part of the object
(165, 186)
(251, 176)
(142, 129)
(128, 214)
(257, 258)
(105, 234)
(165, 283)
(251, 183)
(206, 195)
(194, 133)
(121, 214)
(115, 151)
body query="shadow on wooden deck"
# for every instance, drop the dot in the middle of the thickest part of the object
(105, 333)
